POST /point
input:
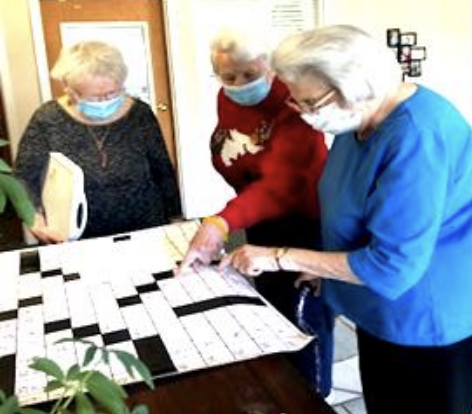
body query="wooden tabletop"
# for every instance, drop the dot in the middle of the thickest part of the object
(267, 385)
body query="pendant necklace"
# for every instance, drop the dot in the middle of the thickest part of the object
(99, 140)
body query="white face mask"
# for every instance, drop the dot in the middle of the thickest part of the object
(333, 119)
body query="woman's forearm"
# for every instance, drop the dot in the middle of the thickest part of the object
(328, 265)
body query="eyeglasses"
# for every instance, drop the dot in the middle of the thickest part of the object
(95, 97)
(312, 105)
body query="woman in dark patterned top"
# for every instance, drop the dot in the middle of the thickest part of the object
(130, 183)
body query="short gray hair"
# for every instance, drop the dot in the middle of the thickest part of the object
(89, 58)
(345, 57)
(241, 44)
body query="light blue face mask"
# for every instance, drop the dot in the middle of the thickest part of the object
(250, 94)
(101, 110)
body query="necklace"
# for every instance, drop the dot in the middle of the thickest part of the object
(99, 140)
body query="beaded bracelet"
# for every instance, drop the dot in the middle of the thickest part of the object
(279, 253)
(219, 222)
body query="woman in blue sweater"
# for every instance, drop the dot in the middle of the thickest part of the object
(396, 211)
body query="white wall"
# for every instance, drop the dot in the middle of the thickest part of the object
(443, 27)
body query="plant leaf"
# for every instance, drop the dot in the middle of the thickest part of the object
(3, 201)
(49, 367)
(4, 167)
(18, 195)
(73, 373)
(31, 411)
(53, 385)
(102, 382)
(10, 406)
(105, 355)
(83, 404)
(107, 393)
(3, 143)
(3, 396)
(130, 362)
(89, 355)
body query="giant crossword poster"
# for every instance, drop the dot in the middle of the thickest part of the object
(121, 292)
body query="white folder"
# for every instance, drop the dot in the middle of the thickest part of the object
(63, 197)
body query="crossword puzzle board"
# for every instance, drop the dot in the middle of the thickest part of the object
(121, 292)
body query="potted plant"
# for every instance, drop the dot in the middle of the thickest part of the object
(83, 389)
(11, 189)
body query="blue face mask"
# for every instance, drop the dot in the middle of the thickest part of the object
(101, 110)
(250, 94)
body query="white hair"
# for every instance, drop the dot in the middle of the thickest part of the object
(243, 45)
(88, 59)
(345, 57)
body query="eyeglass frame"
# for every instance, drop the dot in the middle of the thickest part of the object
(311, 105)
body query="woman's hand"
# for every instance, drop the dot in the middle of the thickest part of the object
(251, 260)
(43, 233)
(206, 245)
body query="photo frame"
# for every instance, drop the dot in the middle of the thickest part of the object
(408, 39)
(414, 69)
(393, 37)
(418, 53)
(404, 53)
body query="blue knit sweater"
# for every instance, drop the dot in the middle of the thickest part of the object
(401, 204)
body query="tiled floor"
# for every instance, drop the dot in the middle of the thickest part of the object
(347, 386)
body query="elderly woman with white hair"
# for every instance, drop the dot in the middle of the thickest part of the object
(396, 213)
(130, 183)
(273, 160)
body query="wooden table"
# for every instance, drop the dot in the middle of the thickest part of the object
(267, 385)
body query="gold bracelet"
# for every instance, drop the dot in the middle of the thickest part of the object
(219, 222)
(279, 253)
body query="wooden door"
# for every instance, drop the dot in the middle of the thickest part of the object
(55, 12)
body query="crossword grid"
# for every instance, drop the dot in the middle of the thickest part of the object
(120, 292)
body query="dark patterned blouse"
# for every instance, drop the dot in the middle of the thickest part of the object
(129, 180)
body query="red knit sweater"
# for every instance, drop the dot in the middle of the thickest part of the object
(271, 158)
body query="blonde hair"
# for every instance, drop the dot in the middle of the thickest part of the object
(242, 45)
(88, 59)
(345, 57)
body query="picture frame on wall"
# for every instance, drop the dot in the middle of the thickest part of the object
(393, 37)
(418, 53)
(404, 53)
(408, 39)
(414, 69)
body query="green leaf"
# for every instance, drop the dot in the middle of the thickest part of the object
(73, 373)
(31, 411)
(3, 396)
(105, 356)
(53, 385)
(83, 404)
(130, 362)
(101, 382)
(3, 201)
(18, 195)
(140, 409)
(4, 167)
(10, 406)
(89, 355)
(3, 143)
(49, 367)
(107, 393)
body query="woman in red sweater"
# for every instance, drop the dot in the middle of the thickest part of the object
(273, 160)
